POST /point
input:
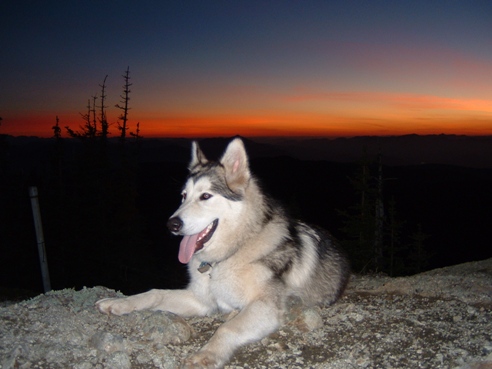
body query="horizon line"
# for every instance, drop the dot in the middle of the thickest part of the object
(143, 137)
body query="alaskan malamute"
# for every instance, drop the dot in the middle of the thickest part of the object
(243, 253)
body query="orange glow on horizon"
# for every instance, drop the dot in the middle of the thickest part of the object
(310, 126)
(336, 129)
(305, 114)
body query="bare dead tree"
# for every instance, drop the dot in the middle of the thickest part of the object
(58, 155)
(88, 130)
(93, 112)
(102, 115)
(125, 98)
(56, 129)
(136, 134)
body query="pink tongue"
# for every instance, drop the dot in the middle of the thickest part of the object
(187, 248)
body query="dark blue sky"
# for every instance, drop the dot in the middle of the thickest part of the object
(266, 67)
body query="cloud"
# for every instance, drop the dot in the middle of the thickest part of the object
(415, 102)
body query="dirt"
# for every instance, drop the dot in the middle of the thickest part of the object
(438, 319)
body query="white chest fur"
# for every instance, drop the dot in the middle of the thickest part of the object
(228, 285)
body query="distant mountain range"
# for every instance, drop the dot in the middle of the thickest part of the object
(466, 151)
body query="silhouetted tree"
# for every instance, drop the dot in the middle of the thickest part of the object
(88, 130)
(371, 238)
(56, 129)
(379, 217)
(102, 112)
(58, 153)
(93, 112)
(359, 220)
(3, 149)
(418, 257)
(394, 239)
(95, 140)
(125, 98)
(90, 192)
(136, 134)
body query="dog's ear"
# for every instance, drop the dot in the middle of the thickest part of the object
(197, 156)
(236, 165)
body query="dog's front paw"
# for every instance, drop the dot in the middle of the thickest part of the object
(203, 359)
(116, 306)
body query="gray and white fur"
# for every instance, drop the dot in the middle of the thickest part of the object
(243, 253)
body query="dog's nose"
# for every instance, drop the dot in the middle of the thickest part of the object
(174, 224)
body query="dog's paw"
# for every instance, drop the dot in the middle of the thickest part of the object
(116, 306)
(204, 359)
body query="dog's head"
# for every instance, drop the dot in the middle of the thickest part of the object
(211, 199)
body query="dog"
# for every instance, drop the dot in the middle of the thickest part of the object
(243, 254)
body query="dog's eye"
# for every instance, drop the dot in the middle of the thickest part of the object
(205, 196)
(183, 196)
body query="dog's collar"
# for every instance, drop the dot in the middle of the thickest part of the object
(204, 267)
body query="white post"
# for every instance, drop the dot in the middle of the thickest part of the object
(33, 193)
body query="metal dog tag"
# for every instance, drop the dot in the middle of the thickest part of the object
(204, 267)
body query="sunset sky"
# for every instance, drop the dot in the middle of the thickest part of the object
(254, 68)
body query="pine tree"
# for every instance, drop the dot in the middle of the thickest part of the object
(394, 243)
(379, 217)
(419, 257)
(359, 223)
(366, 222)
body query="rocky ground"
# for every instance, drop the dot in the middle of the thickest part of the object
(438, 319)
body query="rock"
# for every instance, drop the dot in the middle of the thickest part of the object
(107, 342)
(118, 360)
(162, 326)
(438, 319)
